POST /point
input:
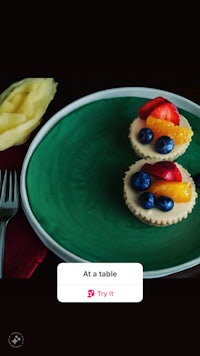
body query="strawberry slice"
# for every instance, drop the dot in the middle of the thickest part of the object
(167, 111)
(146, 109)
(163, 169)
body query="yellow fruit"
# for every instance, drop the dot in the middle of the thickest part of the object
(10, 120)
(161, 127)
(180, 192)
(22, 106)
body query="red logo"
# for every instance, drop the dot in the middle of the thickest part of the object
(90, 293)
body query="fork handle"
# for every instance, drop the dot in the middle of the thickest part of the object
(2, 245)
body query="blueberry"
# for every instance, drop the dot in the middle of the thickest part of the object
(164, 203)
(145, 135)
(164, 144)
(196, 179)
(140, 180)
(147, 200)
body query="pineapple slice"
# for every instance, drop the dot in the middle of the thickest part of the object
(22, 106)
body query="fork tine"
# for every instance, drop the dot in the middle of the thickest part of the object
(10, 193)
(3, 188)
(16, 190)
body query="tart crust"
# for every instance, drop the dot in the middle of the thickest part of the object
(154, 216)
(148, 150)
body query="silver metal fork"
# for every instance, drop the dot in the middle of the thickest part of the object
(9, 205)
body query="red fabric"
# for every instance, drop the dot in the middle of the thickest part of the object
(24, 251)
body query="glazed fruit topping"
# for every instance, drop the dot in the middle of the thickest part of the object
(145, 135)
(165, 189)
(180, 192)
(161, 127)
(147, 200)
(146, 109)
(167, 111)
(163, 169)
(140, 180)
(162, 118)
(164, 203)
(164, 144)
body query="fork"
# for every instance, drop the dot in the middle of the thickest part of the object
(9, 205)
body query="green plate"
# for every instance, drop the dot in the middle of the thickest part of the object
(72, 186)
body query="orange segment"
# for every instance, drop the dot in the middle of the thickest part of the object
(180, 192)
(161, 127)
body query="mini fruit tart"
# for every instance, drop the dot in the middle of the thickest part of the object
(159, 131)
(159, 193)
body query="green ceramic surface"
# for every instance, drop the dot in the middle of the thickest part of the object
(75, 189)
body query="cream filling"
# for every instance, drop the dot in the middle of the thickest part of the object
(148, 150)
(155, 216)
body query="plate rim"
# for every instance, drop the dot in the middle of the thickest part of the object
(146, 92)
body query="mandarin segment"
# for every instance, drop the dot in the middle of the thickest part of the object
(161, 127)
(180, 192)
